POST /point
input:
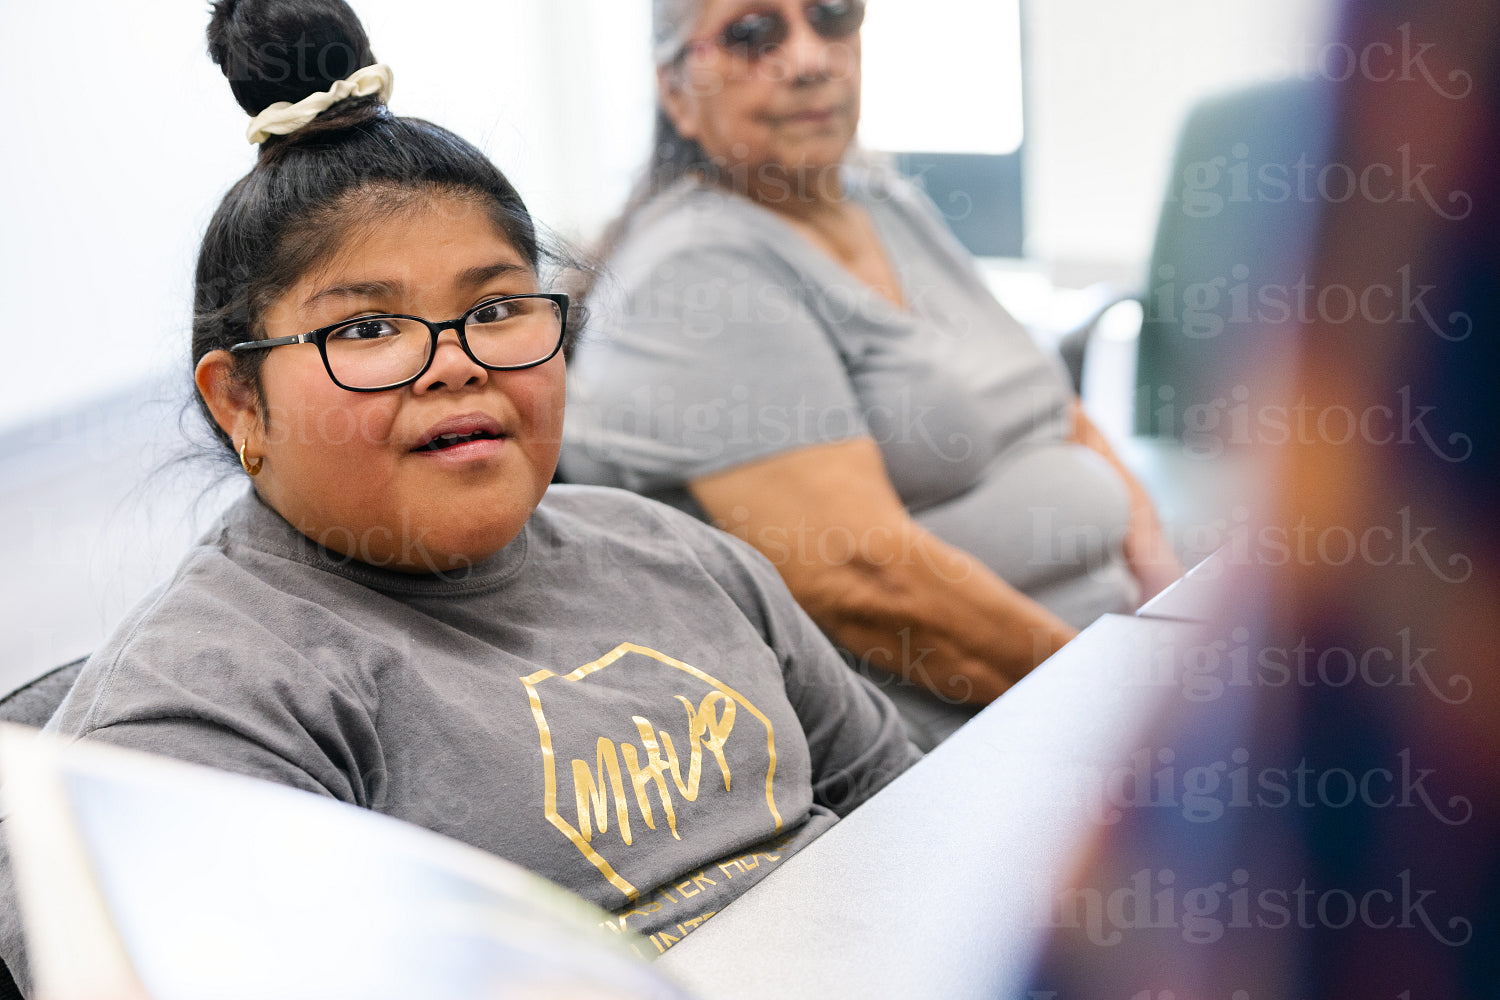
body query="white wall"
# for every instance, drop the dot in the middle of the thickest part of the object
(1110, 83)
(107, 180)
(116, 142)
(120, 136)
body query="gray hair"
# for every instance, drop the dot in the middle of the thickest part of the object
(671, 23)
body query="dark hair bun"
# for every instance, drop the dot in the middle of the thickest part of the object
(285, 50)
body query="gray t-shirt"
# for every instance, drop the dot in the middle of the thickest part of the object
(721, 336)
(623, 699)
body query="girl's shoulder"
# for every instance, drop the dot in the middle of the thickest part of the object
(240, 613)
(591, 516)
(602, 526)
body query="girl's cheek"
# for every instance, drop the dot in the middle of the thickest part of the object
(341, 427)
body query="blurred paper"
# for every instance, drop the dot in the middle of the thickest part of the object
(140, 875)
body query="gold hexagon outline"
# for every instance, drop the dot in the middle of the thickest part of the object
(549, 757)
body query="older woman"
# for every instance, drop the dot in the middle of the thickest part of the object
(791, 344)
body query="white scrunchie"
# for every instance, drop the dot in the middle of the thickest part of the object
(283, 117)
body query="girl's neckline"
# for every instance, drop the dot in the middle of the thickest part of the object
(263, 528)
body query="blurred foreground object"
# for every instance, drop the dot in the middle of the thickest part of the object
(1346, 843)
(146, 877)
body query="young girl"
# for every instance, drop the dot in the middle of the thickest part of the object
(399, 613)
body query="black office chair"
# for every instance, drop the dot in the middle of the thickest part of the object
(33, 703)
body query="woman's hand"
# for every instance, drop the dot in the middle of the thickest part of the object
(1147, 550)
(884, 587)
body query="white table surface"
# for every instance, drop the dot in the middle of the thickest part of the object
(931, 889)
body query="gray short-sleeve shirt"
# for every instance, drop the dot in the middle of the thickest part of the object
(623, 700)
(721, 336)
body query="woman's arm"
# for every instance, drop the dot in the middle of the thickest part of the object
(828, 519)
(1147, 550)
(856, 740)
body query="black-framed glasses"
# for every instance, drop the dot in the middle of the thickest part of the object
(759, 33)
(388, 351)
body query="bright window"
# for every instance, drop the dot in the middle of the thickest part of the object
(942, 76)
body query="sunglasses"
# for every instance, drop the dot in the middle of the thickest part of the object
(758, 34)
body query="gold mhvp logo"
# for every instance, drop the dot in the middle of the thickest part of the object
(627, 783)
(707, 730)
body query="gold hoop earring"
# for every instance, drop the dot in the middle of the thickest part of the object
(251, 470)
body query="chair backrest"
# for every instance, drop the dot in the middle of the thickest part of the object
(1230, 265)
(33, 703)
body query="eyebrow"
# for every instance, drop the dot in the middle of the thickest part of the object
(479, 275)
(467, 278)
(354, 289)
